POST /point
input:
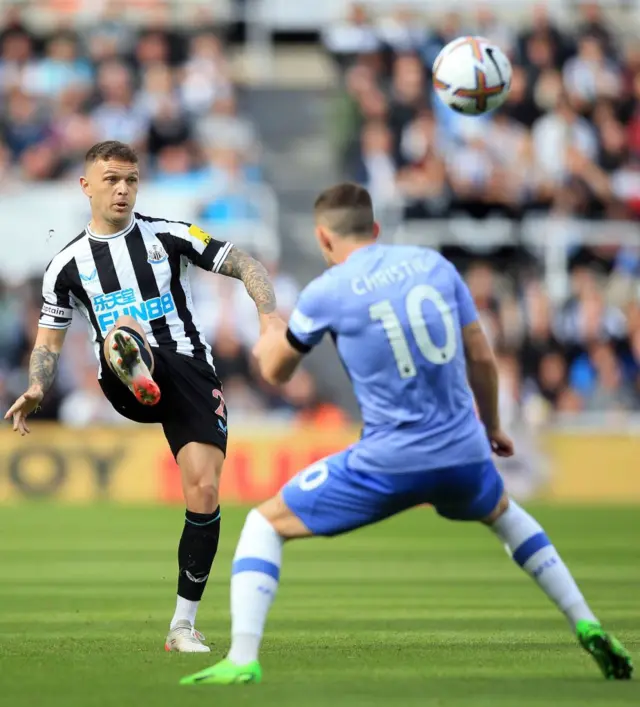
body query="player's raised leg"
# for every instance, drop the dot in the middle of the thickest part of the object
(531, 549)
(201, 469)
(129, 356)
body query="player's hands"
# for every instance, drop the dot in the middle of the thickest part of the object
(23, 406)
(501, 443)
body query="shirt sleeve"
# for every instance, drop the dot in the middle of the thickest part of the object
(467, 310)
(201, 248)
(312, 317)
(57, 309)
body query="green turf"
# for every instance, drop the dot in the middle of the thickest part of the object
(415, 611)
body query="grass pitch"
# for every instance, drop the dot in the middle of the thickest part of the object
(414, 611)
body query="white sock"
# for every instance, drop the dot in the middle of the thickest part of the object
(254, 582)
(185, 611)
(529, 546)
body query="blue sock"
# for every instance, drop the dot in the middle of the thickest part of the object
(529, 546)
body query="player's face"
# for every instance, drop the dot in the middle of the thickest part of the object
(112, 188)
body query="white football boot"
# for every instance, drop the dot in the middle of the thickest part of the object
(183, 638)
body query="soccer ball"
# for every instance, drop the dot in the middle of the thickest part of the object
(472, 76)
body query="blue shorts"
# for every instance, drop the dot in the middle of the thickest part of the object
(330, 499)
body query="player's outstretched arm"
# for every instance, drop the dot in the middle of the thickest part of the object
(43, 367)
(253, 274)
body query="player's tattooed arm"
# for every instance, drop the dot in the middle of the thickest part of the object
(43, 367)
(44, 358)
(42, 372)
(253, 274)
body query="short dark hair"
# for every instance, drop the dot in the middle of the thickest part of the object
(111, 150)
(346, 209)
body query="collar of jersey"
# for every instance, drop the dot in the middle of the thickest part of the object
(124, 232)
(360, 251)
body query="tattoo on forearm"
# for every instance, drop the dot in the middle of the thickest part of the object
(243, 267)
(43, 367)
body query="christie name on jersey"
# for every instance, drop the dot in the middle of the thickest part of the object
(390, 275)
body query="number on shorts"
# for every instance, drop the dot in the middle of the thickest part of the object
(439, 355)
(313, 477)
(221, 410)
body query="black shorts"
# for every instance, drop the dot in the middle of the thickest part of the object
(191, 407)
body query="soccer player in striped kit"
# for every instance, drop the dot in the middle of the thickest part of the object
(127, 274)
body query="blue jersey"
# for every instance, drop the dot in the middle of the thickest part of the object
(396, 315)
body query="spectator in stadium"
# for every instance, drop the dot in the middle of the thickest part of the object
(73, 129)
(625, 184)
(233, 201)
(403, 31)
(586, 317)
(176, 169)
(157, 86)
(520, 104)
(12, 21)
(408, 91)
(302, 400)
(352, 37)
(555, 132)
(60, 69)
(424, 186)
(594, 24)
(40, 163)
(169, 126)
(205, 75)
(538, 340)
(17, 60)
(223, 126)
(543, 26)
(599, 377)
(117, 117)
(25, 124)
(551, 377)
(510, 392)
(590, 74)
(377, 168)
(481, 280)
(152, 49)
(110, 36)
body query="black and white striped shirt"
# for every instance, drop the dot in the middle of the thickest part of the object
(142, 271)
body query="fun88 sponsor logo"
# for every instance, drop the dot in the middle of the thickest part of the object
(109, 307)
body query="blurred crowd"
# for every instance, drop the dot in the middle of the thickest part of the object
(170, 93)
(567, 140)
(579, 355)
(565, 147)
(166, 91)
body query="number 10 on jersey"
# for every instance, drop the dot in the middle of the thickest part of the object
(383, 312)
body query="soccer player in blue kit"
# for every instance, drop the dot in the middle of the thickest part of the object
(407, 331)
